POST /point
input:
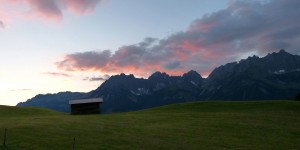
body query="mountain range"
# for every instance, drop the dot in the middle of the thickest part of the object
(275, 76)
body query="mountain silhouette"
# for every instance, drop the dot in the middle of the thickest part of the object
(273, 77)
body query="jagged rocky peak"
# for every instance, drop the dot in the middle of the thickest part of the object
(249, 60)
(282, 60)
(256, 66)
(159, 76)
(282, 53)
(119, 79)
(116, 82)
(254, 57)
(192, 76)
(122, 76)
(192, 73)
(223, 71)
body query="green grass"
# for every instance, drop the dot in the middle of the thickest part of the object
(201, 125)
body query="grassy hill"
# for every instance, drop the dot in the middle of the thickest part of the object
(201, 125)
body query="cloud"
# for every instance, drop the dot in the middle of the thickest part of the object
(248, 25)
(57, 74)
(45, 8)
(18, 90)
(3, 18)
(81, 6)
(100, 78)
(48, 9)
(214, 39)
(172, 65)
(2, 24)
(85, 61)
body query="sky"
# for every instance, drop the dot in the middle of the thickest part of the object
(49, 46)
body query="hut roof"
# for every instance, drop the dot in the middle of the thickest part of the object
(81, 101)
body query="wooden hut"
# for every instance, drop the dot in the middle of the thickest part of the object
(86, 106)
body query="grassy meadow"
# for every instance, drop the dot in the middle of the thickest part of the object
(199, 125)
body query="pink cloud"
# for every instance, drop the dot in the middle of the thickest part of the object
(81, 6)
(47, 9)
(140, 59)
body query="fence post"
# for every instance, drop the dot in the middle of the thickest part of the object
(4, 140)
(74, 143)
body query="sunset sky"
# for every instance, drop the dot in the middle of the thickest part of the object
(48, 46)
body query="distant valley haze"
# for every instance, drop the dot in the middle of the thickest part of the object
(74, 45)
